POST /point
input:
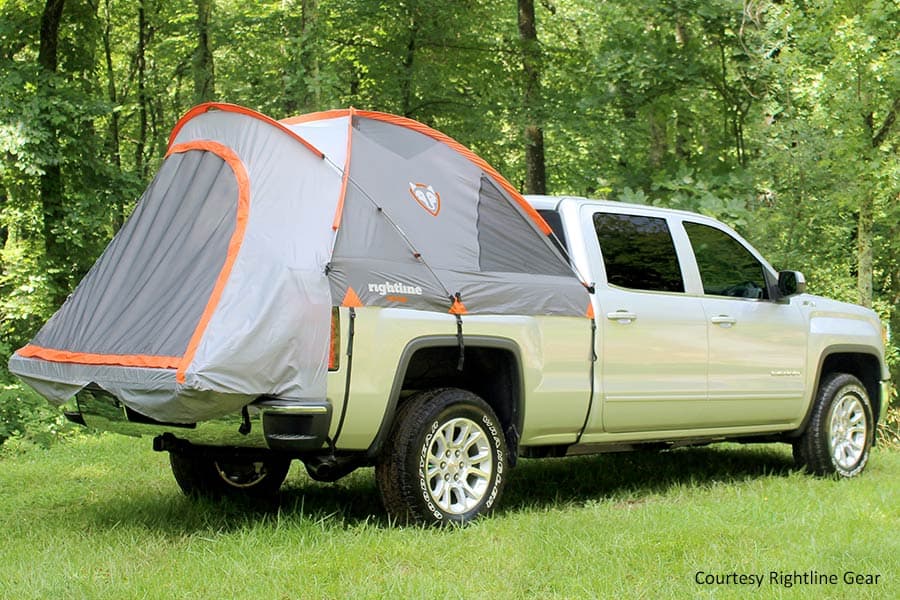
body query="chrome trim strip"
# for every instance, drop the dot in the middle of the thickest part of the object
(294, 409)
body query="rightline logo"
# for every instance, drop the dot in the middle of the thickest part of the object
(427, 198)
(383, 289)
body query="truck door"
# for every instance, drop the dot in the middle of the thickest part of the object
(757, 346)
(652, 335)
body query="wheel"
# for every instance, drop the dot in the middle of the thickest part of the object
(444, 461)
(839, 435)
(199, 475)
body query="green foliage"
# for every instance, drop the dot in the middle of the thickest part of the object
(889, 428)
(773, 116)
(27, 420)
(102, 517)
(25, 301)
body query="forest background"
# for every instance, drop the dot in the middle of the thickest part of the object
(777, 116)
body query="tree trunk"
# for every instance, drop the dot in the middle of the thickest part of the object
(406, 78)
(301, 78)
(309, 55)
(894, 315)
(535, 169)
(51, 181)
(865, 227)
(659, 139)
(50, 18)
(204, 72)
(113, 97)
(141, 63)
(864, 247)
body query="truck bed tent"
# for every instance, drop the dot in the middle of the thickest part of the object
(219, 287)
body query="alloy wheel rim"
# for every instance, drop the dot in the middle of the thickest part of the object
(848, 431)
(458, 466)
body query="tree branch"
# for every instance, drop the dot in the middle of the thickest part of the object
(885, 128)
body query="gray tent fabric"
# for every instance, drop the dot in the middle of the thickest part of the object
(188, 210)
(219, 288)
(477, 243)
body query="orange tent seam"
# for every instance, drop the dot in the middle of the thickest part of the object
(234, 245)
(88, 358)
(234, 108)
(345, 178)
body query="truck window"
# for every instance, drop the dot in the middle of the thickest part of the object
(555, 222)
(638, 252)
(727, 268)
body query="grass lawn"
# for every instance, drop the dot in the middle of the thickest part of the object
(102, 517)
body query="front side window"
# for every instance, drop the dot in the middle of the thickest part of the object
(638, 252)
(727, 268)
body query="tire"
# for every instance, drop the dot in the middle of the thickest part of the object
(418, 481)
(839, 435)
(204, 476)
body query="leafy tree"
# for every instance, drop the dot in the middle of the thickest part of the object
(779, 117)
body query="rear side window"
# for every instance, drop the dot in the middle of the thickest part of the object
(726, 267)
(638, 252)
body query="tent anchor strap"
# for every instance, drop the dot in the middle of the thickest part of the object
(244, 429)
(459, 341)
(332, 443)
(593, 357)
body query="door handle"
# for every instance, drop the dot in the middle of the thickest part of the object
(724, 320)
(621, 316)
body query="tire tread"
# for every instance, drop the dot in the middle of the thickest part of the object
(811, 449)
(396, 470)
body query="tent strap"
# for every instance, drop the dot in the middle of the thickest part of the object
(459, 335)
(350, 334)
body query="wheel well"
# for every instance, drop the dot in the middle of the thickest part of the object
(864, 367)
(490, 372)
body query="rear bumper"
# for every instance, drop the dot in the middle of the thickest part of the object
(282, 425)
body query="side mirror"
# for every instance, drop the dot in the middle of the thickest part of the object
(791, 283)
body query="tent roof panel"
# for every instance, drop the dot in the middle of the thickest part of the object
(202, 108)
(437, 135)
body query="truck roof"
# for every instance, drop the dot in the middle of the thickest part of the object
(540, 202)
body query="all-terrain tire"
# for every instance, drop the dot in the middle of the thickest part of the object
(839, 434)
(205, 476)
(444, 461)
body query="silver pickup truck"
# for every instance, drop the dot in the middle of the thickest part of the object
(694, 338)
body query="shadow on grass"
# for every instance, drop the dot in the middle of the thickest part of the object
(543, 484)
(632, 476)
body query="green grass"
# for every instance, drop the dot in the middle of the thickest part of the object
(101, 517)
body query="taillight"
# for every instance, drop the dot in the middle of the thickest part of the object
(334, 349)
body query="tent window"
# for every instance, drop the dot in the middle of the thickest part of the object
(506, 238)
(146, 294)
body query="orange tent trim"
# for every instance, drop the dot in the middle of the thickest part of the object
(180, 363)
(322, 115)
(87, 358)
(206, 107)
(345, 178)
(234, 245)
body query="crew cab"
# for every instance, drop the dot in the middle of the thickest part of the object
(692, 338)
